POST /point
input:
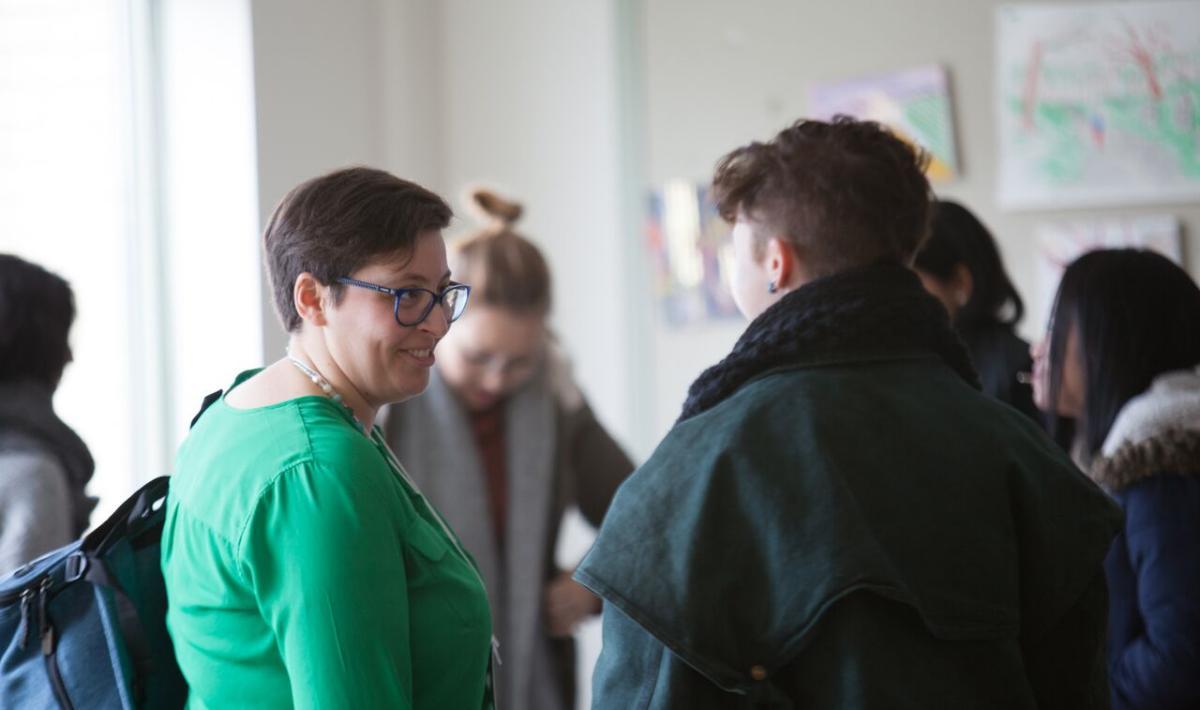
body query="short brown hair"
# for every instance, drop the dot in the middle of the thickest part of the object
(503, 268)
(843, 193)
(335, 224)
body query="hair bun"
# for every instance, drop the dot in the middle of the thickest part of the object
(494, 208)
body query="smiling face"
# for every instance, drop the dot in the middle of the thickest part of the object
(387, 362)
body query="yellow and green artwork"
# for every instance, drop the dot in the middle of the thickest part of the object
(913, 103)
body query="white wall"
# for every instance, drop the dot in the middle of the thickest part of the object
(317, 98)
(531, 107)
(412, 95)
(719, 74)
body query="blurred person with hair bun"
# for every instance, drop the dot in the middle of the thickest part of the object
(504, 442)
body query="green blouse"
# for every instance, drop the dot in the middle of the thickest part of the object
(304, 570)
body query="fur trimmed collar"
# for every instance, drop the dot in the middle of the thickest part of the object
(877, 310)
(1156, 432)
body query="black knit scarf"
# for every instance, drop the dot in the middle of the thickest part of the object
(875, 309)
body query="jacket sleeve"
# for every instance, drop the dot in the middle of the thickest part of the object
(597, 463)
(326, 564)
(1160, 667)
(35, 508)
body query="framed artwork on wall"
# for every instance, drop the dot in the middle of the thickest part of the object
(1098, 104)
(914, 103)
(1061, 242)
(690, 247)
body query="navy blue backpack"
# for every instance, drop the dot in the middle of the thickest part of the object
(84, 626)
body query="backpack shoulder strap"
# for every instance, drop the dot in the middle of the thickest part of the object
(209, 399)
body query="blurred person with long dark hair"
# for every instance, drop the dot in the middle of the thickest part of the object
(1122, 361)
(961, 265)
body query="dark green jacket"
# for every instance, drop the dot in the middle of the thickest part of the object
(866, 531)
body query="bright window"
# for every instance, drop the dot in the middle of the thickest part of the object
(127, 167)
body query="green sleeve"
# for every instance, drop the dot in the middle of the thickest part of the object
(322, 553)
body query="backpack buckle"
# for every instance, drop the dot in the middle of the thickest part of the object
(75, 567)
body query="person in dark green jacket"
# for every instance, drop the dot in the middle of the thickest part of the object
(303, 566)
(840, 518)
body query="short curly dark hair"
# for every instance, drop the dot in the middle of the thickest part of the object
(37, 309)
(843, 193)
(335, 224)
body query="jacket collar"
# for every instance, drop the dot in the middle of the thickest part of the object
(1156, 432)
(869, 313)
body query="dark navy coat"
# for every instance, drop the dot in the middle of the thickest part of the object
(1150, 463)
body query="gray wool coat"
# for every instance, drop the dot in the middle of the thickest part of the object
(44, 469)
(558, 455)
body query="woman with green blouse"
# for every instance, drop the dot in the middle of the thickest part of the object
(303, 567)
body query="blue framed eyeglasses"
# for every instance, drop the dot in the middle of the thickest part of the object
(413, 305)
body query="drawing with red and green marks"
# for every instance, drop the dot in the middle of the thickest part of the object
(1098, 103)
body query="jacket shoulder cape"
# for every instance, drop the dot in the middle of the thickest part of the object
(751, 520)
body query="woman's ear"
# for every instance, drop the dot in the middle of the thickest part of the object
(310, 297)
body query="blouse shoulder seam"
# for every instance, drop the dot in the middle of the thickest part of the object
(258, 496)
